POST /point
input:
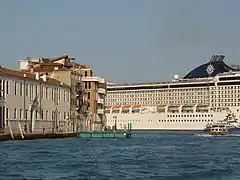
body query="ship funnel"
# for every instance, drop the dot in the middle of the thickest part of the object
(216, 58)
(220, 58)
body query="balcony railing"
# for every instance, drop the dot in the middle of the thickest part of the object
(100, 101)
(101, 91)
(96, 79)
(100, 111)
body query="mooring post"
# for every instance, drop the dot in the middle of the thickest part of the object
(10, 129)
(20, 129)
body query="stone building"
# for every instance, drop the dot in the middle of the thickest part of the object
(87, 91)
(35, 102)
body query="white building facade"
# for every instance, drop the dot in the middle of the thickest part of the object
(34, 102)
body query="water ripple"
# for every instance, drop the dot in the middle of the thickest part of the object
(167, 156)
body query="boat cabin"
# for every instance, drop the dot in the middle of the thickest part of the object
(218, 129)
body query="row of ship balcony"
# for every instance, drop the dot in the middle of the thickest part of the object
(163, 108)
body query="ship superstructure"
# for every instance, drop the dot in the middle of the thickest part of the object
(204, 95)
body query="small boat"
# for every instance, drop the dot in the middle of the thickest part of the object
(218, 129)
(229, 125)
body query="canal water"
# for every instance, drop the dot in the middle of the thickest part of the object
(158, 155)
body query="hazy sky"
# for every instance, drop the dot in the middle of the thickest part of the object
(122, 40)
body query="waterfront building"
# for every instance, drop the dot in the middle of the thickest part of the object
(87, 101)
(34, 101)
(95, 88)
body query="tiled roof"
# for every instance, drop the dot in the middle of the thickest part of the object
(49, 69)
(84, 66)
(59, 58)
(29, 76)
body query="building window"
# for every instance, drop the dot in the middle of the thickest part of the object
(59, 95)
(7, 113)
(26, 114)
(46, 115)
(86, 74)
(20, 89)
(15, 88)
(52, 94)
(3, 88)
(42, 92)
(88, 95)
(89, 85)
(36, 91)
(20, 114)
(46, 93)
(31, 94)
(53, 115)
(26, 90)
(7, 87)
(15, 113)
(36, 116)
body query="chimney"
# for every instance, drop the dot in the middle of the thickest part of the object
(44, 77)
(37, 75)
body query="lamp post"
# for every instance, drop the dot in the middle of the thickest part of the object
(56, 121)
(115, 117)
(31, 107)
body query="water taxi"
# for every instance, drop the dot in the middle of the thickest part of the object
(218, 129)
(229, 125)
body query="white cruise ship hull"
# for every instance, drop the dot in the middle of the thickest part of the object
(164, 121)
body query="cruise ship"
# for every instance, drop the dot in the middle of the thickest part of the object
(204, 96)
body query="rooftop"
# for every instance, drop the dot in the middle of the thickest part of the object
(48, 67)
(29, 76)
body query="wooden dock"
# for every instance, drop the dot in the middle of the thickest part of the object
(8, 137)
(112, 134)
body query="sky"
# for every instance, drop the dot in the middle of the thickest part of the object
(122, 40)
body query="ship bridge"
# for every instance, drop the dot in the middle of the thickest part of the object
(215, 66)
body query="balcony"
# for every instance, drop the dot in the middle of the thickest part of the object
(100, 111)
(92, 79)
(101, 91)
(100, 101)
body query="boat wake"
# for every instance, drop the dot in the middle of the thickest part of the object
(209, 135)
(203, 135)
